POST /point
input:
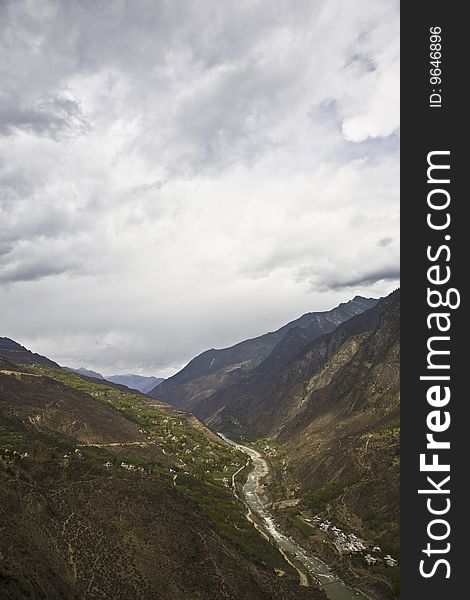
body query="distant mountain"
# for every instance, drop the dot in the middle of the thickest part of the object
(136, 382)
(263, 401)
(215, 370)
(20, 355)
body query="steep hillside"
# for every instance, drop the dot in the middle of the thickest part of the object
(91, 413)
(327, 413)
(48, 405)
(261, 402)
(109, 494)
(139, 383)
(20, 355)
(214, 370)
(338, 452)
(322, 405)
(347, 431)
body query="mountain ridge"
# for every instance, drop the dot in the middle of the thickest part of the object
(18, 354)
(215, 368)
(321, 398)
(329, 422)
(261, 402)
(141, 383)
(97, 492)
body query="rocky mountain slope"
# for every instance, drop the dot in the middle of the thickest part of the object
(275, 392)
(327, 407)
(109, 494)
(214, 370)
(345, 435)
(20, 355)
(320, 398)
(335, 443)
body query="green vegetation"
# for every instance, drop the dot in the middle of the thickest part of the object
(15, 438)
(302, 526)
(318, 499)
(203, 466)
(223, 511)
(197, 454)
(31, 444)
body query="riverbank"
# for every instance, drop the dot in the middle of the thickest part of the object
(310, 568)
(360, 561)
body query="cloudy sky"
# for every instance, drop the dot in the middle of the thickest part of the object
(181, 175)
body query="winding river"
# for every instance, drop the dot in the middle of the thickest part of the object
(334, 588)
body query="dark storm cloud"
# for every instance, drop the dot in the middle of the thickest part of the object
(367, 278)
(32, 272)
(384, 242)
(49, 117)
(19, 263)
(362, 62)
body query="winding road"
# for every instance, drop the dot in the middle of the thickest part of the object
(304, 563)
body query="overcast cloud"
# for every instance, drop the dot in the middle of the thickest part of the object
(176, 176)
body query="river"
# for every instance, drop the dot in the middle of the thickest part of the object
(334, 588)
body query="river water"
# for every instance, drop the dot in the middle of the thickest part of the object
(334, 588)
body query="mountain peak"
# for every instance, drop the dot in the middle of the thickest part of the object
(213, 369)
(18, 354)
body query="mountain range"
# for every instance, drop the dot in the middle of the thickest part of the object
(136, 382)
(325, 398)
(106, 471)
(141, 383)
(341, 432)
(18, 354)
(214, 369)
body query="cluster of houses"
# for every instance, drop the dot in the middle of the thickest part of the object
(344, 542)
(374, 560)
(350, 543)
(128, 467)
(371, 560)
(76, 453)
(124, 465)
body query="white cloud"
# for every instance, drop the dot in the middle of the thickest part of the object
(185, 175)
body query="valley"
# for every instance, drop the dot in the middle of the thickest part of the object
(310, 568)
(101, 498)
(324, 410)
(271, 468)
